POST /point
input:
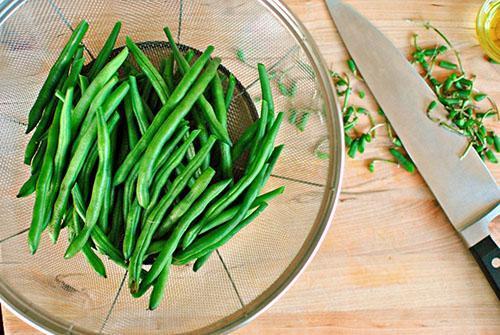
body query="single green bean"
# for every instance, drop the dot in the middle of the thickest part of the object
(129, 191)
(83, 83)
(101, 184)
(273, 159)
(143, 119)
(168, 114)
(165, 132)
(228, 214)
(154, 218)
(221, 113)
(132, 128)
(149, 70)
(117, 218)
(97, 102)
(206, 242)
(201, 261)
(215, 126)
(165, 171)
(260, 133)
(105, 52)
(169, 148)
(188, 216)
(94, 260)
(29, 186)
(200, 124)
(189, 55)
(56, 72)
(267, 94)
(230, 91)
(95, 86)
(244, 141)
(225, 238)
(406, 163)
(131, 224)
(168, 71)
(159, 289)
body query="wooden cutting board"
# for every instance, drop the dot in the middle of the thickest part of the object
(391, 263)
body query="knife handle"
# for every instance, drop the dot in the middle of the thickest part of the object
(487, 255)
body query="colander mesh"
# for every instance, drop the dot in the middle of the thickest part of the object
(245, 272)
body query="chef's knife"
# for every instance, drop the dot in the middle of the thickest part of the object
(464, 188)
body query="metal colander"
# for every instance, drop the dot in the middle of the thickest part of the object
(250, 272)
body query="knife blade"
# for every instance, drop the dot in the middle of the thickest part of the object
(464, 188)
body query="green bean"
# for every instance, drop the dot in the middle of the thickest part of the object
(56, 72)
(164, 172)
(224, 239)
(154, 218)
(203, 138)
(201, 261)
(131, 223)
(37, 161)
(77, 160)
(165, 132)
(206, 242)
(40, 209)
(244, 141)
(29, 186)
(259, 134)
(101, 184)
(105, 52)
(117, 218)
(169, 148)
(143, 120)
(150, 71)
(97, 102)
(228, 214)
(169, 113)
(159, 289)
(83, 83)
(168, 71)
(215, 125)
(189, 55)
(273, 159)
(188, 216)
(63, 143)
(132, 129)
(94, 260)
(95, 86)
(221, 113)
(267, 95)
(247, 179)
(230, 91)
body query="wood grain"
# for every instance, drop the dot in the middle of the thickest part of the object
(391, 264)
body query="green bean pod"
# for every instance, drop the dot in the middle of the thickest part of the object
(105, 52)
(168, 71)
(226, 163)
(29, 186)
(159, 289)
(83, 83)
(261, 130)
(95, 86)
(137, 107)
(267, 94)
(244, 141)
(132, 128)
(168, 115)
(230, 91)
(101, 184)
(131, 224)
(55, 74)
(201, 261)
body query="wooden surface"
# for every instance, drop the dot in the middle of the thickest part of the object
(391, 263)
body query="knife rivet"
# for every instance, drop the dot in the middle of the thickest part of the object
(495, 262)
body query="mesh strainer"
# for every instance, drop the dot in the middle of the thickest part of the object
(255, 268)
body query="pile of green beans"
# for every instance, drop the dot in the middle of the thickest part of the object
(137, 162)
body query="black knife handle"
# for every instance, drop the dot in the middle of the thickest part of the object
(485, 252)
